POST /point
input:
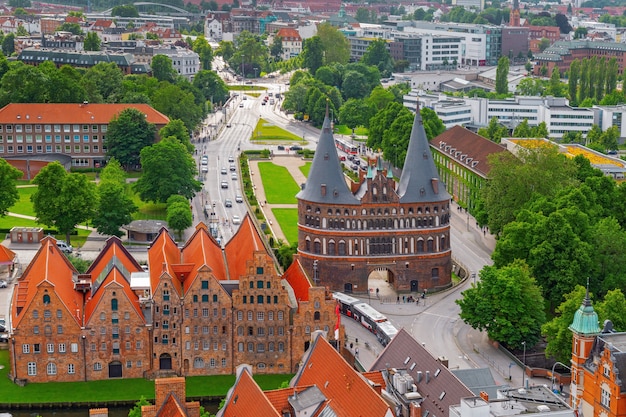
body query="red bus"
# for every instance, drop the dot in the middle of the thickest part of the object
(347, 147)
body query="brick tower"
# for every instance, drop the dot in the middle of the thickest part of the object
(347, 232)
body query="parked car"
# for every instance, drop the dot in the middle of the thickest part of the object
(296, 148)
(205, 169)
(355, 167)
(280, 147)
(236, 219)
(342, 158)
(65, 248)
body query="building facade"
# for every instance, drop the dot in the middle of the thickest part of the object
(35, 132)
(562, 53)
(347, 232)
(200, 310)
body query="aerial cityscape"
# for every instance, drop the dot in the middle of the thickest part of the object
(313, 209)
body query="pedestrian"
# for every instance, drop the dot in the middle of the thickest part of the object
(398, 300)
(356, 352)
(404, 298)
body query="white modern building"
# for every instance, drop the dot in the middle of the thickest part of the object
(186, 62)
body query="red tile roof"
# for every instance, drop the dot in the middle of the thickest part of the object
(7, 256)
(296, 277)
(50, 265)
(470, 144)
(37, 113)
(162, 255)
(241, 248)
(289, 34)
(172, 407)
(348, 392)
(202, 249)
(247, 399)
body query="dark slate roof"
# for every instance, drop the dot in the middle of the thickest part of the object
(326, 174)
(419, 182)
(404, 346)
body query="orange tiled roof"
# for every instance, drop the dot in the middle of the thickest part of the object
(289, 33)
(49, 265)
(349, 394)
(172, 407)
(296, 277)
(162, 255)
(115, 276)
(202, 249)
(253, 400)
(7, 256)
(241, 248)
(37, 113)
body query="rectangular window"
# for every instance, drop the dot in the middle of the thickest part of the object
(605, 398)
(205, 285)
(74, 347)
(32, 368)
(50, 347)
(25, 348)
(61, 347)
(36, 348)
(70, 368)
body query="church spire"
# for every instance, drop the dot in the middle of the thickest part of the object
(419, 181)
(326, 182)
(585, 319)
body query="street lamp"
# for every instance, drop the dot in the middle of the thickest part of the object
(256, 71)
(243, 72)
(553, 366)
(524, 367)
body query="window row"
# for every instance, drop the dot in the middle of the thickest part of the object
(49, 149)
(260, 284)
(204, 312)
(114, 316)
(260, 315)
(261, 331)
(205, 345)
(380, 211)
(204, 298)
(52, 128)
(205, 330)
(259, 299)
(115, 346)
(50, 348)
(198, 363)
(375, 246)
(260, 347)
(376, 224)
(51, 139)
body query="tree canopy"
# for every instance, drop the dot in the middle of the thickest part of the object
(115, 205)
(127, 135)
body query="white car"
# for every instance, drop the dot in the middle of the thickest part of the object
(233, 176)
(236, 219)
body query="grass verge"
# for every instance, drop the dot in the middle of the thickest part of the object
(288, 220)
(305, 169)
(279, 185)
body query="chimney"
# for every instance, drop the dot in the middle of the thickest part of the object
(419, 376)
(415, 410)
(427, 377)
(434, 182)
(484, 396)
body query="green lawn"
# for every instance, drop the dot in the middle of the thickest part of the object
(268, 132)
(345, 130)
(288, 220)
(23, 205)
(279, 185)
(115, 389)
(305, 169)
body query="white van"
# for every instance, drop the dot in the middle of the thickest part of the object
(65, 248)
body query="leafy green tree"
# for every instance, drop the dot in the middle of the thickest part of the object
(572, 81)
(329, 75)
(127, 135)
(212, 86)
(363, 15)
(557, 332)
(313, 54)
(126, 10)
(522, 130)
(380, 122)
(556, 86)
(583, 84)
(502, 74)
(21, 31)
(73, 28)
(396, 138)
(506, 302)
(63, 200)
(608, 239)
(276, 48)
(8, 189)
(355, 112)
(514, 180)
(177, 103)
(168, 169)
(162, 68)
(531, 86)
(178, 214)
(354, 85)
(225, 49)
(600, 78)
(251, 53)
(62, 85)
(379, 98)
(115, 207)
(295, 98)
(335, 45)
(433, 126)
(92, 42)
(176, 128)
(494, 130)
(544, 43)
(202, 47)
(611, 76)
(136, 410)
(609, 138)
(580, 32)
(377, 54)
(613, 307)
(103, 82)
(8, 44)
(540, 131)
(30, 81)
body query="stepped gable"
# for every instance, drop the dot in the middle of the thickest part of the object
(433, 379)
(7, 256)
(241, 248)
(201, 249)
(163, 254)
(326, 183)
(50, 266)
(297, 279)
(246, 398)
(419, 182)
(346, 391)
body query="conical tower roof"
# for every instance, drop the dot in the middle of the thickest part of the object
(585, 319)
(419, 181)
(326, 183)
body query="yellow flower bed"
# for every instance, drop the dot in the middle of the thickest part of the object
(531, 143)
(592, 157)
